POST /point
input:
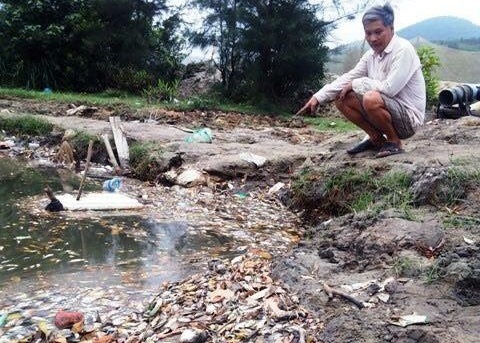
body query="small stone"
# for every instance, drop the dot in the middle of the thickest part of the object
(193, 336)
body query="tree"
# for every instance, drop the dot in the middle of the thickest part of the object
(265, 48)
(289, 51)
(221, 30)
(84, 45)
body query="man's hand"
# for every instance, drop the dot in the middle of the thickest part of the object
(311, 106)
(343, 93)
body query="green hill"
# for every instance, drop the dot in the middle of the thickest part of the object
(441, 29)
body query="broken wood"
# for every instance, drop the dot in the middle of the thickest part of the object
(120, 141)
(332, 291)
(111, 156)
(89, 156)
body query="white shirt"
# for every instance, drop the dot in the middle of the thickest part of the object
(396, 72)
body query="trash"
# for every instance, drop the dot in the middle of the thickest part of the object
(99, 201)
(65, 319)
(55, 205)
(409, 319)
(112, 185)
(193, 336)
(190, 177)
(275, 188)
(3, 319)
(204, 135)
(33, 145)
(468, 240)
(252, 158)
(47, 91)
(7, 144)
(241, 195)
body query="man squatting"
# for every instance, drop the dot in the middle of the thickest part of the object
(384, 94)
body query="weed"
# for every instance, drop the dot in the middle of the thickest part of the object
(459, 181)
(405, 266)
(25, 125)
(432, 273)
(143, 160)
(331, 124)
(457, 221)
(163, 91)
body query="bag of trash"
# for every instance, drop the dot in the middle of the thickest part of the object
(112, 185)
(200, 136)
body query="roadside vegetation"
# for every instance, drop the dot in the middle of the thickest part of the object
(25, 125)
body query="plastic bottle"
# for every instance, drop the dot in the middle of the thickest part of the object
(112, 185)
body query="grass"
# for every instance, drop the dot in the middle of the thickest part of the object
(405, 266)
(458, 221)
(353, 190)
(331, 124)
(25, 125)
(114, 97)
(459, 181)
(143, 160)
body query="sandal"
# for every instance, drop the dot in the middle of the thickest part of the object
(388, 149)
(361, 147)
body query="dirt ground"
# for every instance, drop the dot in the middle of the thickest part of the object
(394, 265)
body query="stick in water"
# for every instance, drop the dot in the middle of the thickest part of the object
(89, 156)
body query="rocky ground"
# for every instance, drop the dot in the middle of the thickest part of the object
(410, 273)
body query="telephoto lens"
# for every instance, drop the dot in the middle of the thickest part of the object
(464, 94)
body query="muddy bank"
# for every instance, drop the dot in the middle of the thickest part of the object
(411, 219)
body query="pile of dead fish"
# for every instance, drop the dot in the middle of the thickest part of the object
(234, 302)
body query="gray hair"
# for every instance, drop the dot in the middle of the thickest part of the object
(383, 13)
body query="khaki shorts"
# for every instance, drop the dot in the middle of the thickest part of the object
(400, 119)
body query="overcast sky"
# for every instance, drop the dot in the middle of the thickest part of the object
(408, 12)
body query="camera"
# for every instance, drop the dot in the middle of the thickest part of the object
(454, 102)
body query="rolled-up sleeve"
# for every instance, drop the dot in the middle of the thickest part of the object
(330, 91)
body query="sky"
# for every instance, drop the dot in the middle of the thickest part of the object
(408, 12)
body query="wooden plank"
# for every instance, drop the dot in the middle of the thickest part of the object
(120, 141)
(113, 160)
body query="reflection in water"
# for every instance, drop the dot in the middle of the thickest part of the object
(100, 250)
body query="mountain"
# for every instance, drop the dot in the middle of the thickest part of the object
(441, 29)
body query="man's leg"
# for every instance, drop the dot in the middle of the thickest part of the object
(378, 115)
(351, 108)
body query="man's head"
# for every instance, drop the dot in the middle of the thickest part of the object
(378, 26)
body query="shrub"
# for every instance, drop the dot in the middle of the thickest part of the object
(430, 62)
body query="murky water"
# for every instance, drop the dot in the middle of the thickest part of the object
(104, 263)
(111, 264)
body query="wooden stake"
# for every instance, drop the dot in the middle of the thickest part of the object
(89, 156)
(113, 160)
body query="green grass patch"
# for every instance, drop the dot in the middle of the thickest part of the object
(25, 125)
(352, 190)
(459, 181)
(331, 124)
(143, 160)
(114, 97)
(106, 98)
(458, 221)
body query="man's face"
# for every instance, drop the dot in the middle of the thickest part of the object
(378, 35)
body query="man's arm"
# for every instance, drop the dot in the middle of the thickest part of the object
(330, 91)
